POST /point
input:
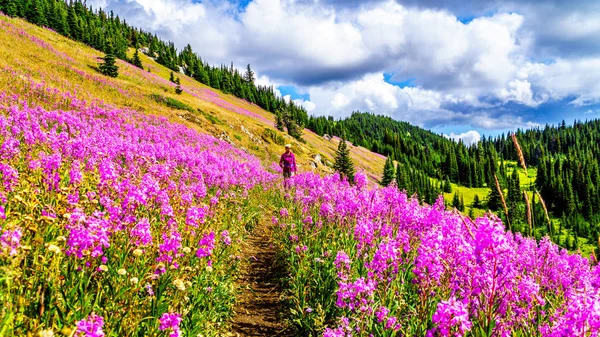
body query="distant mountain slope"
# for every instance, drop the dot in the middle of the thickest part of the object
(40, 59)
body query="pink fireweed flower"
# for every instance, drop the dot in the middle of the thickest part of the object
(451, 318)
(342, 264)
(357, 295)
(225, 239)
(284, 213)
(195, 216)
(10, 177)
(75, 175)
(170, 320)
(169, 247)
(382, 314)
(10, 240)
(90, 326)
(207, 244)
(73, 198)
(87, 234)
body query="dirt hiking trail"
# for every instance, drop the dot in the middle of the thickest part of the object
(259, 308)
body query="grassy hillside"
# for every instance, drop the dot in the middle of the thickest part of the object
(34, 57)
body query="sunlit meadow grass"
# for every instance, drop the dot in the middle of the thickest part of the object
(71, 66)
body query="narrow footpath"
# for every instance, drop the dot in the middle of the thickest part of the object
(259, 309)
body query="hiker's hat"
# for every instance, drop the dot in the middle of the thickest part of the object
(287, 146)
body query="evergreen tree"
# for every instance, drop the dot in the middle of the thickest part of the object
(178, 90)
(471, 213)
(476, 201)
(109, 66)
(279, 121)
(401, 178)
(249, 75)
(172, 77)
(75, 31)
(494, 202)
(447, 186)
(389, 172)
(343, 162)
(456, 201)
(10, 8)
(136, 61)
(36, 13)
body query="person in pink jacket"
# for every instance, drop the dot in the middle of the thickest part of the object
(288, 164)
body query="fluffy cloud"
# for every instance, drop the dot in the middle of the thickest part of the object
(461, 71)
(469, 137)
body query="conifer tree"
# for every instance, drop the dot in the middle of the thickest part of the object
(401, 177)
(249, 75)
(109, 66)
(178, 89)
(136, 61)
(73, 21)
(172, 78)
(447, 186)
(279, 121)
(494, 202)
(456, 201)
(476, 201)
(10, 8)
(389, 172)
(343, 162)
(36, 13)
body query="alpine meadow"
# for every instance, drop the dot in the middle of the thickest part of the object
(143, 190)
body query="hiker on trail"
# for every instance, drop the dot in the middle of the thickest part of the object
(288, 164)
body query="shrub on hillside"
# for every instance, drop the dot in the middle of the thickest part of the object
(171, 102)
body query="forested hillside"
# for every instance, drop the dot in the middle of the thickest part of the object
(108, 33)
(568, 174)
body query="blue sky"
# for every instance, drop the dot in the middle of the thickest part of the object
(462, 67)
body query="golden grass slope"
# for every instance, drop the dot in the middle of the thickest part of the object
(35, 59)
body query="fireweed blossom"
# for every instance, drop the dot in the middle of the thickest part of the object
(491, 274)
(10, 240)
(207, 244)
(451, 319)
(87, 234)
(170, 320)
(225, 239)
(90, 326)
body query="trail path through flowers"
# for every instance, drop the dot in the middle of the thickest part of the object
(259, 305)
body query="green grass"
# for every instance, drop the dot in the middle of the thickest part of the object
(274, 136)
(211, 118)
(171, 102)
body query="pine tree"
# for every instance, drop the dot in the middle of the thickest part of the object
(136, 61)
(74, 27)
(343, 162)
(279, 121)
(10, 8)
(494, 202)
(401, 177)
(109, 67)
(389, 172)
(447, 186)
(172, 78)
(476, 201)
(249, 75)
(178, 90)
(36, 13)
